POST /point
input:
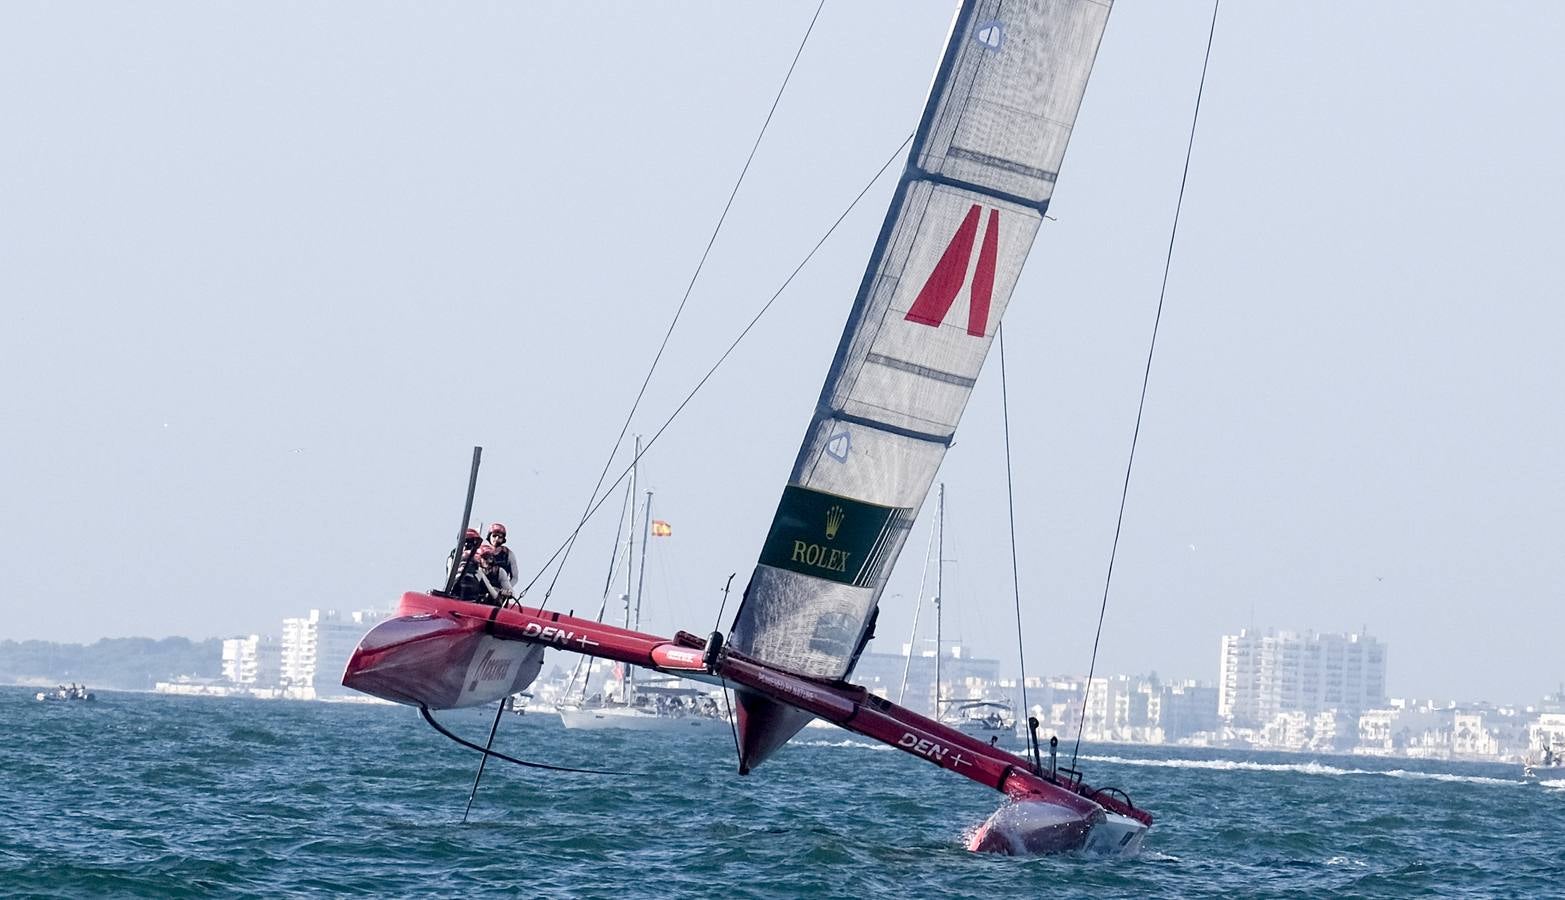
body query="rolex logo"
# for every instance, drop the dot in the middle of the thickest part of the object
(833, 522)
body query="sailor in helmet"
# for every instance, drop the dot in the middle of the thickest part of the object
(503, 556)
(464, 583)
(494, 581)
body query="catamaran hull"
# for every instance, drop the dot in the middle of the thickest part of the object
(1040, 828)
(441, 662)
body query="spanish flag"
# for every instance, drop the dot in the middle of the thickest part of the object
(661, 528)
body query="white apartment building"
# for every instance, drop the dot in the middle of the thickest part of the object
(254, 661)
(315, 651)
(962, 677)
(1264, 675)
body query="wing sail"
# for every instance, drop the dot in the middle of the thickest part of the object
(978, 180)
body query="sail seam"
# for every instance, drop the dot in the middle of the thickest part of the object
(863, 422)
(1000, 162)
(912, 368)
(942, 180)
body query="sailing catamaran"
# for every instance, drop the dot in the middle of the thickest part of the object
(977, 182)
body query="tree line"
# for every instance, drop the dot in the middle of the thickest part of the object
(123, 663)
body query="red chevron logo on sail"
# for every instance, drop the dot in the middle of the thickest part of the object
(945, 282)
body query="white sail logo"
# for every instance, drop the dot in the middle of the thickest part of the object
(950, 275)
(991, 34)
(837, 448)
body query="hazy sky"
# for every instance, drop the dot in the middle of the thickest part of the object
(271, 269)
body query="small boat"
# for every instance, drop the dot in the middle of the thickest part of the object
(651, 708)
(76, 692)
(984, 718)
(1548, 767)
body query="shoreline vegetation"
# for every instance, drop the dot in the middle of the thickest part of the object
(134, 663)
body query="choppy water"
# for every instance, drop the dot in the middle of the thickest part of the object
(142, 795)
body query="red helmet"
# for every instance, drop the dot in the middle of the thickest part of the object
(496, 528)
(486, 554)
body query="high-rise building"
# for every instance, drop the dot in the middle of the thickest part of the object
(1264, 675)
(315, 650)
(1187, 708)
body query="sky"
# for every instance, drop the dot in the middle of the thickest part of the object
(272, 270)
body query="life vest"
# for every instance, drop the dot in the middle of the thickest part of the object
(504, 560)
(490, 585)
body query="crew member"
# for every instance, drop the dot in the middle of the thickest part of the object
(494, 582)
(465, 585)
(503, 557)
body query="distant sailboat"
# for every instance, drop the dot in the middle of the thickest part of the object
(978, 180)
(973, 715)
(665, 705)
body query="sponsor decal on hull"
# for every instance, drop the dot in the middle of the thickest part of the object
(932, 750)
(549, 634)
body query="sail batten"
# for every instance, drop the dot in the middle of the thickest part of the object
(980, 174)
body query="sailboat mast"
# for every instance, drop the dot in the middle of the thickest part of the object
(918, 606)
(646, 541)
(940, 571)
(630, 558)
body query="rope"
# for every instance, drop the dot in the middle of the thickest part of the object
(1146, 378)
(607, 492)
(636, 404)
(424, 710)
(1010, 501)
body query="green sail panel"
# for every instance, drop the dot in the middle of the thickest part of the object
(829, 536)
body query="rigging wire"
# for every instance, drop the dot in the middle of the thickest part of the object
(1146, 378)
(1010, 508)
(720, 360)
(603, 604)
(723, 217)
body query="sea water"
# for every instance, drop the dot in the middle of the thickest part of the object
(157, 796)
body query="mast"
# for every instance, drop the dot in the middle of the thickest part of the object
(918, 607)
(583, 668)
(940, 570)
(630, 558)
(646, 541)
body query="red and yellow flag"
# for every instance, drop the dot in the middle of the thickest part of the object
(661, 528)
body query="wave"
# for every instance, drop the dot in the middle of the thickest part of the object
(1304, 768)
(861, 745)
